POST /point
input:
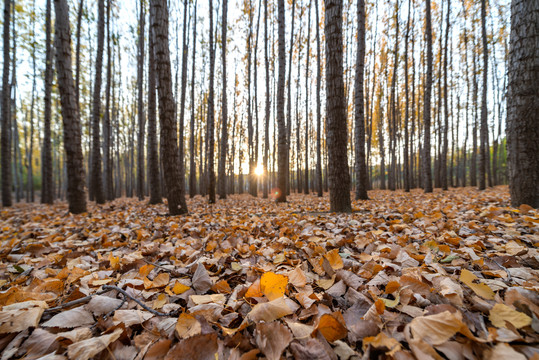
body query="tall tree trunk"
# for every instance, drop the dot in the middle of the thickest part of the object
(473, 166)
(224, 108)
(307, 61)
(360, 165)
(281, 125)
(211, 115)
(392, 120)
(445, 148)
(406, 154)
(77, 52)
(107, 129)
(76, 196)
(289, 99)
(153, 154)
(96, 182)
(140, 103)
(192, 165)
(6, 114)
(47, 188)
(266, 185)
(427, 174)
(319, 184)
(483, 142)
(522, 104)
(185, 52)
(169, 148)
(336, 129)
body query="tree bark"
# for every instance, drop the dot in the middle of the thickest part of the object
(169, 148)
(192, 165)
(211, 114)
(522, 104)
(319, 187)
(107, 129)
(266, 184)
(224, 109)
(427, 174)
(483, 134)
(47, 188)
(360, 164)
(445, 146)
(6, 114)
(76, 196)
(336, 128)
(281, 125)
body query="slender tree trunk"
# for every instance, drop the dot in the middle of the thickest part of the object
(169, 148)
(406, 163)
(211, 115)
(427, 174)
(107, 129)
(96, 182)
(6, 115)
(445, 149)
(192, 165)
(289, 99)
(224, 108)
(483, 143)
(522, 104)
(336, 129)
(153, 154)
(267, 114)
(360, 165)
(185, 52)
(319, 184)
(307, 61)
(47, 188)
(282, 130)
(140, 103)
(70, 111)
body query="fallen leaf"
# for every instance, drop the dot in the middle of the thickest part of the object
(270, 311)
(500, 314)
(332, 327)
(476, 285)
(86, 349)
(71, 319)
(272, 338)
(187, 326)
(272, 285)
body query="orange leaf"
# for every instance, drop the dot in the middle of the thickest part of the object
(331, 327)
(273, 285)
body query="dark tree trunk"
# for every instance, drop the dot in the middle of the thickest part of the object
(70, 111)
(6, 114)
(96, 182)
(140, 104)
(210, 137)
(224, 109)
(307, 61)
(281, 125)
(266, 184)
(445, 148)
(153, 154)
(406, 154)
(360, 165)
(319, 184)
(47, 188)
(336, 129)
(107, 129)
(522, 104)
(185, 52)
(427, 174)
(169, 148)
(192, 165)
(483, 134)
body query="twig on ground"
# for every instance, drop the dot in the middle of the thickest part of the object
(145, 307)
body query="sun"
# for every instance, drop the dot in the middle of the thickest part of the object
(259, 171)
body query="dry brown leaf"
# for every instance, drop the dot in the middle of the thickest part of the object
(476, 285)
(332, 327)
(500, 314)
(87, 349)
(187, 326)
(270, 311)
(272, 338)
(71, 319)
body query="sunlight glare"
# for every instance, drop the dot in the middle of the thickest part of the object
(259, 171)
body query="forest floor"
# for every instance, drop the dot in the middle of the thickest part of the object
(450, 274)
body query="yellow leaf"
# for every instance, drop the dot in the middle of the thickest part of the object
(187, 326)
(145, 270)
(273, 285)
(500, 314)
(476, 285)
(114, 262)
(391, 303)
(179, 288)
(331, 327)
(159, 281)
(334, 259)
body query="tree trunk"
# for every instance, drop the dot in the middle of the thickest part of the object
(153, 154)
(70, 111)
(6, 114)
(185, 52)
(140, 103)
(266, 184)
(522, 104)
(281, 125)
(445, 148)
(336, 129)
(224, 109)
(319, 184)
(307, 61)
(47, 188)
(107, 129)
(427, 174)
(192, 165)
(169, 148)
(96, 183)
(211, 115)
(483, 134)
(360, 165)
(406, 154)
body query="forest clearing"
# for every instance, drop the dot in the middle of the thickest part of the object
(256, 179)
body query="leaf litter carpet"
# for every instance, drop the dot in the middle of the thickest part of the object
(448, 275)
